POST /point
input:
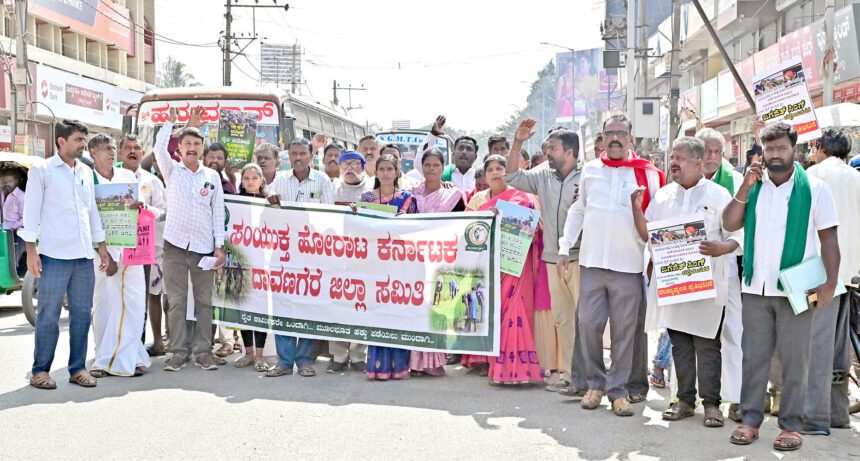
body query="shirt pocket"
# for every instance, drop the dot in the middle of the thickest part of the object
(202, 195)
(84, 193)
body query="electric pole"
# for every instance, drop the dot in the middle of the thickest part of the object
(349, 89)
(642, 62)
(20, 74)
(630, 43)
(229, 37)
(829, 57)
(674, 77)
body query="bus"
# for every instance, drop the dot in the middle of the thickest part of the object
(281, 116)
(408, 141)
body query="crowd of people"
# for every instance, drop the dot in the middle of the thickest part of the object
(588, 266)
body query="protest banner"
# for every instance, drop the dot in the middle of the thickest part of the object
(325, 272)
(681, 272)
(237, 132)
(781, 94)
(144, 252)
(117, 205)
(518, 226)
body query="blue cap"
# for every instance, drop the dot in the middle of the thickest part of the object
(351, 155)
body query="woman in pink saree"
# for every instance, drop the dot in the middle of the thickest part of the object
(432, 197)
(517, 362)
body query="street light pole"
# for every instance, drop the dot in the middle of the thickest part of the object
(674, 78)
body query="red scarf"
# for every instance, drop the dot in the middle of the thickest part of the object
(640, 168)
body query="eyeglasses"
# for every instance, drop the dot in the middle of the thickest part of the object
(616, 133)
(353, 164)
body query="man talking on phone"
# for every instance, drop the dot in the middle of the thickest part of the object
(784, 214)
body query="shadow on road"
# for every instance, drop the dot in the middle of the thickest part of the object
(460, 393)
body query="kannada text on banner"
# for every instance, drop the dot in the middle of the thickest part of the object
(422, 281)
(117, 205)
(682, 273)
(781, 94)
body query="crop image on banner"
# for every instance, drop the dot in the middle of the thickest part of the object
(681, 272)
(781, 94)
(237, 132)
(117, 205)
(322, 271)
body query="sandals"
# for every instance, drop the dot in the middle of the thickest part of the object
(99, 374)
(656, 381)
(261, 366)
(84, 379)
(43, 381)
(278, 370)
(225, 350)
(787, 441)
(307, 371)
(678, 411)
(243, 361)
(714, 417)
(744, 435)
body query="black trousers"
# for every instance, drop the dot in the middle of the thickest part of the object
(254, 338)
(697, 357)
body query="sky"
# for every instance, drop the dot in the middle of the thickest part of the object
(472, 61)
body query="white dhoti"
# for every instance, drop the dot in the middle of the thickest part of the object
(119, 307)
(733, 329)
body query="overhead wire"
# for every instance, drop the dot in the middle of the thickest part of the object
(142, 30)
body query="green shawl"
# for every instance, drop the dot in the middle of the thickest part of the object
(794, 245)
(724, 177)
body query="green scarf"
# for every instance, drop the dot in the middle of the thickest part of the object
(723, 177)
(794, 245)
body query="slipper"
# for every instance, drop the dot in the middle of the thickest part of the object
(656, 381)
(714, 417)
(99, 374)
(744, 435)
(678, 411)
(787, 441)
(307, 371)
(278, 370)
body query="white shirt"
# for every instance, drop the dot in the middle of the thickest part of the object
(316, 188)
(151, 193)
(120, 176)
(699, 318)
(464, 182)
(603, 214)
(63, 199)
(844, 182)
(195, 198)
(771, 217)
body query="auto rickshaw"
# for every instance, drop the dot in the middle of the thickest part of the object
(10, 278)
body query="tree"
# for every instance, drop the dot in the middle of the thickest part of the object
(173, 74)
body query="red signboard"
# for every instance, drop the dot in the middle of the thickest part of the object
(801, 43)
(84, 97)
(106, 22)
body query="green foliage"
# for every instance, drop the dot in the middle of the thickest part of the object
(173, 74)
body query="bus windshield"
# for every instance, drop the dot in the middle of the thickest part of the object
(153, 113)
(408, 142)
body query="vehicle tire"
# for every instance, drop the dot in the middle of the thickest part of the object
(29, 298)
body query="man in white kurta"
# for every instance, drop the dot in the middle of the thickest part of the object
(119, 300)
(694, 326)
(717, 169)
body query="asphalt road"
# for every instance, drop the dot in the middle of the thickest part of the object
(233, 413)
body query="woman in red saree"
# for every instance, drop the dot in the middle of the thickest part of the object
(517, 362)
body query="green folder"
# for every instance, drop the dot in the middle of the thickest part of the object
(796, 280)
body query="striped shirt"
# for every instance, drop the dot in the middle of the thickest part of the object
(195, 200)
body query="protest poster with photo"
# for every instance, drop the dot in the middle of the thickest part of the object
(681, 272)
(781, 94)
(237, 132)
(518, 228)
(117, 205)
(426, 282)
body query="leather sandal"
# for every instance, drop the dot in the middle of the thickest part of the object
(744, 435)
(678, 411)
(714, 417)
(83, 379)
(43, 381)
(787, 441)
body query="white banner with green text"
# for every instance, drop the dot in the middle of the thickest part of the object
(426, 282)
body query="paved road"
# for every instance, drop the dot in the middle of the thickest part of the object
(236, 413)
